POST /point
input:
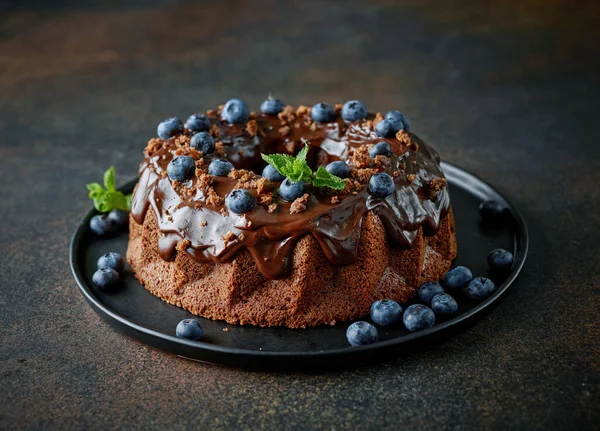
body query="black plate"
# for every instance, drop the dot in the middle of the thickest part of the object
(137, 313)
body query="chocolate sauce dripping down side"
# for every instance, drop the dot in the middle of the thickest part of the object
(270, 238)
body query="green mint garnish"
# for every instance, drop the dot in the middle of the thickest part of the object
(108, 198)
(296, 169)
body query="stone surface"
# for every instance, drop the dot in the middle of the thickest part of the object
(507, 89)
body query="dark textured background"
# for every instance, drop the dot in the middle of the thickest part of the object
(507, 89)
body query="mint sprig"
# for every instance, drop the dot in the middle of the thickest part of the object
(108, 198)
(296, 169)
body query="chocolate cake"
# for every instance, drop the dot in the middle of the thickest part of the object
(320, 259)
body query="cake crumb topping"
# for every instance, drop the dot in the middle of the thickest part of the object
(299, 205)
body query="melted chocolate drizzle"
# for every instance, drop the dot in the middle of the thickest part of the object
(270, 238)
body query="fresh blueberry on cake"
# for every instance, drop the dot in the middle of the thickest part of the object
(491, 210)
(322, 113)
(289, 221)
(203, 141)
(235, 111)
(197, 123)
(444, 305)
(500, 259)
(119, 218)
(112, 260)
(418, 317)
(271, 106)
(386, 312)
(220, 167)
(457, 278)
(190, 329)
(398, 120)
(428, 290)
(181, 168)
(105, 278)
(102, 225)
(353, 111)
(361, 333)
(481, 288)
(170, 127)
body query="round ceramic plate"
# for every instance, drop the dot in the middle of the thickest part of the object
(134, 311)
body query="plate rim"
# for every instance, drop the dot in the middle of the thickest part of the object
(116, 320)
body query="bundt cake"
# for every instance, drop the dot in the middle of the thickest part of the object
(218, 231)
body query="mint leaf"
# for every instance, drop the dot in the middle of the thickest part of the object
(284, 163)
(128, 201)
(301, 156)
(109, 179)
(95, 189)
(322, 178)
(300, 171)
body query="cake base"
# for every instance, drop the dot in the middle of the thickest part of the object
(316, 292)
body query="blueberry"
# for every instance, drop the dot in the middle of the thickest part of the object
(102, 226)
(491, 210)
(204, 142)
(271, 106)
(220, 167)
(457, 278)
(386, 312)
(119, 218)
(444, 305)
(322, 113)
(481, 287)
(361, 333)
(271, 174)
(380, 149)
(190, 329)
(235, 111)
(105, 278)
(339, 169)
(181, 168)
(240, 201)
(500, 259)
(290, 191)
(197, 123)
(353, 111)
(418, 317)
(398, 120)
(428, 290)
(169, 127)
(112, 260)
(381, 185)
(386, 129)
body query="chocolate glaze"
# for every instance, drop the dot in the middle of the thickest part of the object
(270, 238)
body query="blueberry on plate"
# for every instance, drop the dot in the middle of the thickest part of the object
(500, 259)
(119, 218)
(418, 317)
(169, 127)
(203, 141)
(380, 149)
(197, 123)
(101, 225)
(190, 329)
(339, 169)
(386, 312)
(235, 111)
(398, 119)
(491, 210)
(381, 185)
(322, 113)
(386, 129)
(457, 278)
(290, 191)
(428, 290)
(353, 111)
(105, 278)
(271, 106)
(240, 201)
(272, 174)
(361, 333)
(181, 168)
(481, 288)
(112, 260)
(220, 167)
(444, 305)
